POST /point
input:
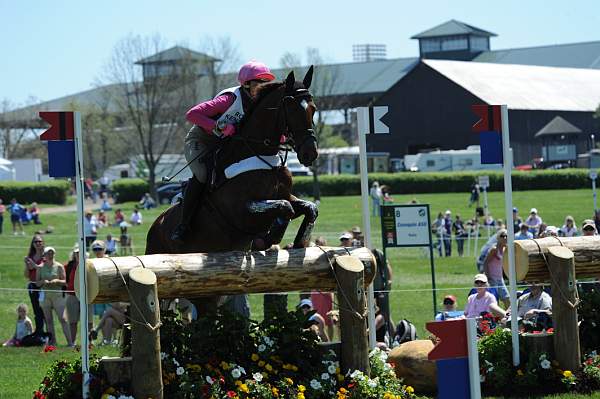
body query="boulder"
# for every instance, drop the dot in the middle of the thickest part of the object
(412, 365)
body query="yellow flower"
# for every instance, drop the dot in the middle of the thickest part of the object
(343, 390)
(389, 395)
(275, 392)
(341, 396)
(224, 366)
(410, 389)
(289, 380)
(254, 357)
(261, 363)
(301, 388)
(244, 388)
(300, 395)
(520, 372)
(294, 368)
(567, 374)
(238, 383)
(269, 367)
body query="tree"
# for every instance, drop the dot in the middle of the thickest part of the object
(151, 98)
(325, 79)
(14, 132)
(227, 57)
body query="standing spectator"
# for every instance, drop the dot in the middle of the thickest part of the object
(2, 210)
(34, 261)
(569, 229)
(346, 239)
(15, 210)
(492, 266)
(136, 217)
(357, 238)
(51, 279)
(89, 228)
(72, 310)
(588, 228)
(447, 233)
(375, 194)
(125, 240)
(103, 182)
(147, 202)
(517, 220)
(474, 198)
(460, 234)
(23, 328)
(533, 221)
(111, 245)
(119, 218)
(34, 212)
(385, 195)
(436, 228)
(524, 233)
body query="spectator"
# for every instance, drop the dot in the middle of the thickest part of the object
(492, 267)
(474, 198)
(105, 206)
(23, 328)
(460, 235)
(482, 301)
(589, 228)
(101, 219)
(597, 219)
(2, 210)
(569, 229)
(316, 322)
(51, 279)
(119, 217)
(136, 217)
(447, 233)
(112, 319)
(111, 245)
(99, 249)
(534, 303)
(147, 202)
(34, 212)
(125, 240)
(375, 194)
(550, 231)
(72, 310)
(533, 221)
(484, 252)
(517, 220)
(34, 261)
(323, 304)
(541, 230)
(385, 195)
(437, 228)
(321, 241)
(449, 310)
(489, 220)
(89, 228)
(346, 239)
(15, 210)
(103, 182)
(357, 238)
(524, 233)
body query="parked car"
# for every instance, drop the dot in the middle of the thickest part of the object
(167, 192)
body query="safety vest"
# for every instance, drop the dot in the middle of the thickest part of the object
(234, 114)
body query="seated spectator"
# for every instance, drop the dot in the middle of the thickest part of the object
(533, 221)
(524, 233)
(112, 319)
(346, 239)
(535, 302)
(357, 237)
(550, 231)
(24, 327)
(147, 202)
(105, 206)
(540, 231)
(482, 301)
(569, 229)
(136, 217)
(316, 321)
(385, 195)
(449, 310)
(489, 220)
(111, 245)
(588, 228)
(101, 219)
(34, 212)
(119, 218)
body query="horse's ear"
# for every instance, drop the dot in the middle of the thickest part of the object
(289, 82)
(308, 77)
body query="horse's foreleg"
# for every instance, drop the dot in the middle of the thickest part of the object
(271, 208)
(310, 212)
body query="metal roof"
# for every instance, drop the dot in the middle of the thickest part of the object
(572, 55)
(176, 53)
(558, 125)
(452, 27)
(525, 87)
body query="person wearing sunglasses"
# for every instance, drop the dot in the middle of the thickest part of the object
(34, 261)
(449, 310)
(492, 267)
(482, 301)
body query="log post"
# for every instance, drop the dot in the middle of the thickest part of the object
(353, 319)
(561, 265)
(146, 371)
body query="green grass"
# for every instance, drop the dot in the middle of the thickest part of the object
(21, 369)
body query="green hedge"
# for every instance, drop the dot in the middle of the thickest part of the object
(129, 189)
(445, 182)
(49, 192)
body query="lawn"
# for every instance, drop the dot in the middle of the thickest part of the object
(22, 369)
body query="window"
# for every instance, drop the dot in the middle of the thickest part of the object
(430, 45)
(479, 43)
(454, 43)
(430, 163)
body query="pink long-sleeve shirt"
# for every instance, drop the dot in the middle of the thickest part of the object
(206, 114)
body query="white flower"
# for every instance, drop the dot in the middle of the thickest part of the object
(331, 369)
(373, 383)
(180, 370)
(257, 377)
(542, 357)
(209, 380)
(111, 397)
(175, 362)
(325, 376)
(261, 347)
(163, 356)
(545, 364)
(357, 375)
(314, 384)
(236, 373)
(387, 366)
(242, 370)
(268, 341)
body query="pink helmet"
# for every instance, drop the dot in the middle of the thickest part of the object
(254, 70)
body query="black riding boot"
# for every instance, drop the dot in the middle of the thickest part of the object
(191, 197)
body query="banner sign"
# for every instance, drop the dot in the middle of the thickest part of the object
(405, 226)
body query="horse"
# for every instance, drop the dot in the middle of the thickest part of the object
(256, 203)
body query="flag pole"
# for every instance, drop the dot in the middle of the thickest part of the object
(510, 252)
(83, 307)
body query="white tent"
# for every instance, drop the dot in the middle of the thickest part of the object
(7, 170)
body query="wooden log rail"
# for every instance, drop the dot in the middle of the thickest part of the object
(235, 272)
(531, 266)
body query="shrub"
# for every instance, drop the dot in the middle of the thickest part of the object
(589, 317)
(48, 192)
(129, 189)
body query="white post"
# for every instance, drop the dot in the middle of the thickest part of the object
(508, 206)
(474, 378)
(83, 306)
(362, 114)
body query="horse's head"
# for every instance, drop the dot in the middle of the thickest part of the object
(299, 109)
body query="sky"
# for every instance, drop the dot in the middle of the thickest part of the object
(50, 49)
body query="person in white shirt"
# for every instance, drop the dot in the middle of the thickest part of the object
(533, 221)
(375, 194)
(569, 229)
(89, 227)
(136, 217)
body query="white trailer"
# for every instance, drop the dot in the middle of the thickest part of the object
(447, 161)
(28, 169)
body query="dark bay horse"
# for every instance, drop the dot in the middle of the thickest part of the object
(255, 203)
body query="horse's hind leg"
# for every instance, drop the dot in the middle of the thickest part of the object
(310, 212)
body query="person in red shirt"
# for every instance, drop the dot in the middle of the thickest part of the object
(34, 261)
(119, 217)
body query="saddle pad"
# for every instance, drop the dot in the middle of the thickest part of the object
(252, 163)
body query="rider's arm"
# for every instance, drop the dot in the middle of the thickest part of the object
(205, 114)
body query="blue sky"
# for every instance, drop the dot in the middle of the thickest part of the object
(53, 48)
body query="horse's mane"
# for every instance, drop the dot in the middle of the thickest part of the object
(265, 89)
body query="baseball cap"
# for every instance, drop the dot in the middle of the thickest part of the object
(305, 302)
(346, 236)
(448, 212)
(587, 224)
(481, 277)
(533, 210)
(551, 230)
(450, 297)
(515, 209)
(48, 249)
(98, 244)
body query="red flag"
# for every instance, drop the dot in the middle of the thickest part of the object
(491, 119)
(62, 126)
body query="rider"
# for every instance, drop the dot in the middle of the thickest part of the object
(212, 120)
